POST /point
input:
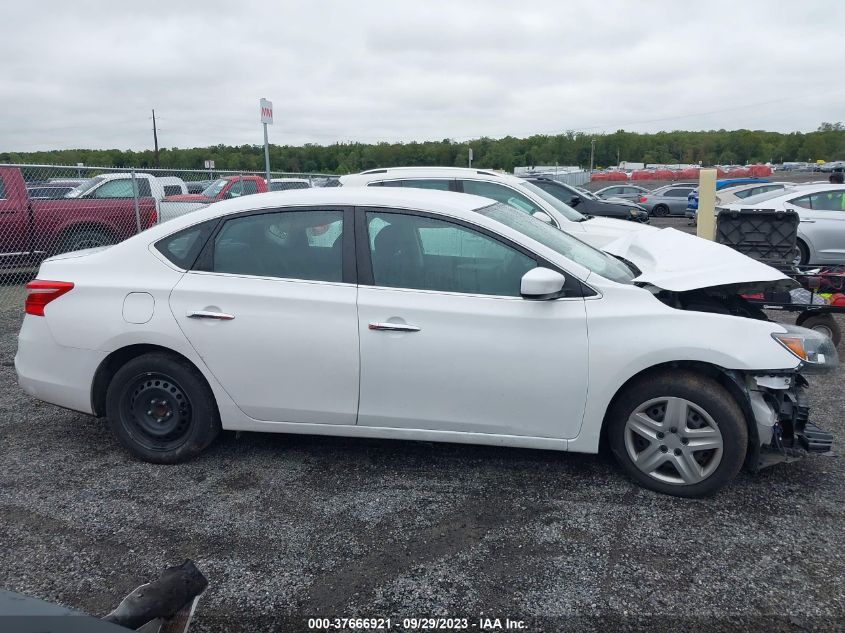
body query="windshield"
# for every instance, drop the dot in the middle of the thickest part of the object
(84, 187)
(768, 195)
(560, 242)
(214, 188)
(564, 209)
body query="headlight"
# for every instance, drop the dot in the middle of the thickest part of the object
(814, 349)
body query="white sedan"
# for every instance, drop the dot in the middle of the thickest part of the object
(423, 315)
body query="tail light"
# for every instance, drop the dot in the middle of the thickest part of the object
(154, 216)
(39, 293)
(643, 199)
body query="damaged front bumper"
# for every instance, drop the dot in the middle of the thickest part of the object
(780, 411)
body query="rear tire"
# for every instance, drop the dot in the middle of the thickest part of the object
(678, 433)
(79, 239)
(825, 324)
(161, 409)
(660, 211)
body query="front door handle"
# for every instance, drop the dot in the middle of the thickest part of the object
(394, 327)
(205, 314)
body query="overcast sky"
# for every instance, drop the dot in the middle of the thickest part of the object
(79, 74)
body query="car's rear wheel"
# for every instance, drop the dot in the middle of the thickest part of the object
(681, 434)
(161, 409)
(82, 238)
(660, 211)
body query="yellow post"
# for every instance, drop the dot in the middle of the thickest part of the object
(707, 204)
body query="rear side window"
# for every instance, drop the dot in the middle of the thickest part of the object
(172, 190)
(677, 193)
(182, 248)
(284, 244)
(2, 190)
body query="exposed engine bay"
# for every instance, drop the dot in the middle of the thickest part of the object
(776, 403)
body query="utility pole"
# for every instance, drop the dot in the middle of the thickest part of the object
(592, 153)
(155, 138)
(469, 161)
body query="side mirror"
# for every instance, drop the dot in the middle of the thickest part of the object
(543, 216)
(541, 284)
(576, 200)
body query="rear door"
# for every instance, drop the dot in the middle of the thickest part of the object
(823, 223)
(448, 344)
(270, 308)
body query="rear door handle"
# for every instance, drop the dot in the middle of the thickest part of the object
(394, 327)
(205, 314)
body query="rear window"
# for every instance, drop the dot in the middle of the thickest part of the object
(183, 247)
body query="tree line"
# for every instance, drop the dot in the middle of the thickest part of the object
(571, 148)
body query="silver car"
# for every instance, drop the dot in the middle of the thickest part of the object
(624, 192)
(821, 209)
(668, 199)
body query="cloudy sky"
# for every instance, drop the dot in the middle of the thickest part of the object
(79, 73)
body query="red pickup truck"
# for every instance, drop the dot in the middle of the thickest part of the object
(33, 229)
(221, 189)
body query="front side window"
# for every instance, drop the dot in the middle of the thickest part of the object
(214, 189)
(562, 243)
(121, 188)
(410, 251)
(286, 244)
(561, 193)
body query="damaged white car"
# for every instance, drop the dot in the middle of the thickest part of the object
(424, 315)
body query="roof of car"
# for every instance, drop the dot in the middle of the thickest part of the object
(398, 197)
(390, 173)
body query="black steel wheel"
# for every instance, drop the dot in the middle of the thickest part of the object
(660, 211)
(161, 408)
(158, 410)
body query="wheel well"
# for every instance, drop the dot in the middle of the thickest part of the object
(85, 226)
(719, 374)
(114, 361)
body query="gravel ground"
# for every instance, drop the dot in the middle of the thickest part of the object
(288, 528)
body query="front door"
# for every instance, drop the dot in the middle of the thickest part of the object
(448, 344)
(273, 316)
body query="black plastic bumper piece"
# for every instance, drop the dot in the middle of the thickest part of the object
(813, 439)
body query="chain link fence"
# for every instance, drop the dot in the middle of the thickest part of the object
(46, 210)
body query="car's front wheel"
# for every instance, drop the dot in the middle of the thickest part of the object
(161, 409)
(678, 433)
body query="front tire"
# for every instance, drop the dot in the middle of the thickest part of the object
(678, 433)
(802, 257)
(161, 409)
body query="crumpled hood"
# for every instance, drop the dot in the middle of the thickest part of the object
(599, 232)
(677, 261)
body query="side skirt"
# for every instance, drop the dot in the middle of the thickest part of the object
(420, 435)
